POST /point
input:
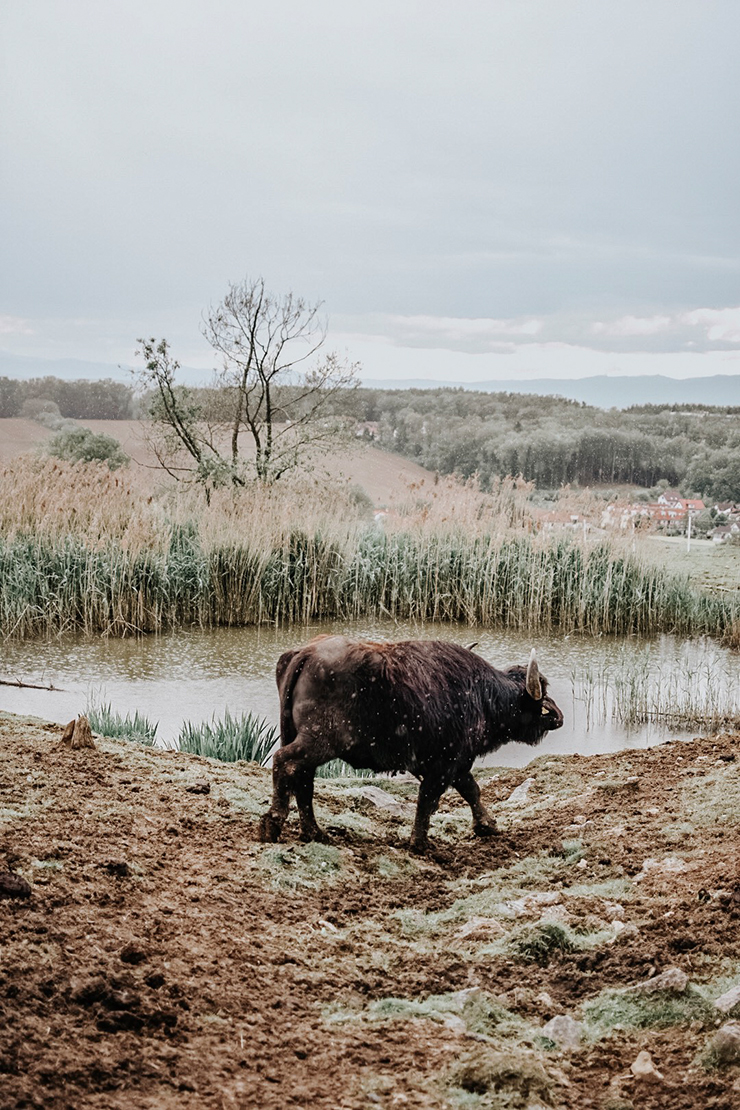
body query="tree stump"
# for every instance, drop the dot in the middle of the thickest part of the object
(78, 735)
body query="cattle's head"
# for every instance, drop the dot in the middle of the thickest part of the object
(539, 713)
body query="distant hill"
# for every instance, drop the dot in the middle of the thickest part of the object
(74, 369)
(603, 391)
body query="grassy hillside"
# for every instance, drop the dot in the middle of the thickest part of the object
(384, 476)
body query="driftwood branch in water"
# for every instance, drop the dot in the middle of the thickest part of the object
(29, 685)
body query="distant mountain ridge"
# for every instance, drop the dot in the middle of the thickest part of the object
(603, 391)
(71, 369)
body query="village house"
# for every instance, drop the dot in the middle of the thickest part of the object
(670, 508)
(724, 532)
(367, 429)
(728, 510)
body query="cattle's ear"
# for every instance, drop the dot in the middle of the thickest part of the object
(534, 686)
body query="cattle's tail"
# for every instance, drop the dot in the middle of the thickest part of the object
(288, 671)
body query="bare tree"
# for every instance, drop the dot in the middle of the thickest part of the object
(274, 383)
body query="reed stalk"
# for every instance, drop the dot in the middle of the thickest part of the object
(696, 688)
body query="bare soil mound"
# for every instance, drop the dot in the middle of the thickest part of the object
(155, 955)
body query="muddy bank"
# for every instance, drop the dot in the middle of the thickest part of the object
(162, 958)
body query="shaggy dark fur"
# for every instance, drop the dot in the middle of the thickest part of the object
(424, 706)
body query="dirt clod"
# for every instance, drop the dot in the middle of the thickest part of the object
(14, 886)
(118, 867)
(201, 786)
(132, 954)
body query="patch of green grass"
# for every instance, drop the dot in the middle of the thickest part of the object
(449, 827)
(536, 944)
(713, 799)
(338, 769)
(229, 739)
(243, 800)
(633, 1010)
(535, 872)
(304, 865)
(724, 975)
(572, 851)
(611, 890)
(390, 868)
(486, 895)
(137, 728)
(500, 1080)
(351, 821)
(473, 1011)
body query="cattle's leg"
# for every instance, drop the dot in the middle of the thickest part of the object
(430, 791)
(467, 787)
(291, 774)
(303, 784)
(271, 823)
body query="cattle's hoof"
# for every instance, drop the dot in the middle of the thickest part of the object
(314, 836)
(485, 830)
(269, 829)
(419, 847)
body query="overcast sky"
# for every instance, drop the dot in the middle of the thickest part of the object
(476, 190)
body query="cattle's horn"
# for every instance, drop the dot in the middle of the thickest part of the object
(534, 686)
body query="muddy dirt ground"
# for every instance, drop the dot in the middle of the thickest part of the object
(163, 958)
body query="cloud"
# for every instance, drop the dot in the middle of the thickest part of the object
(722, 324)
(698, 330)
(633, 325)
(15, 325)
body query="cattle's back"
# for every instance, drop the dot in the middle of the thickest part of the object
(394, 706)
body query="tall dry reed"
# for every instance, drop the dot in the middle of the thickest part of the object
(80, 551)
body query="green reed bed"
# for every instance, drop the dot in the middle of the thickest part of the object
(50, 586)
(133, 726)
(230, 738)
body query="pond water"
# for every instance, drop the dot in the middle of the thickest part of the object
(194, 675)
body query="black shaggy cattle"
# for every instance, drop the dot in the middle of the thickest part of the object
(424, 706)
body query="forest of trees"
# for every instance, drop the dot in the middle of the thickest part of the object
(549, 440)
(553, 441)
(79, 400)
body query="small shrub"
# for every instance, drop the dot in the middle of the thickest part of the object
(537, 944)
(137, 728)
(33, 407)
(232, 738)
(84, 445)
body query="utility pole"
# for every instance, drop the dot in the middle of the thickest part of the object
(688, 534)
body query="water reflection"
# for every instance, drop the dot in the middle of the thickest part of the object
(193, 675)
